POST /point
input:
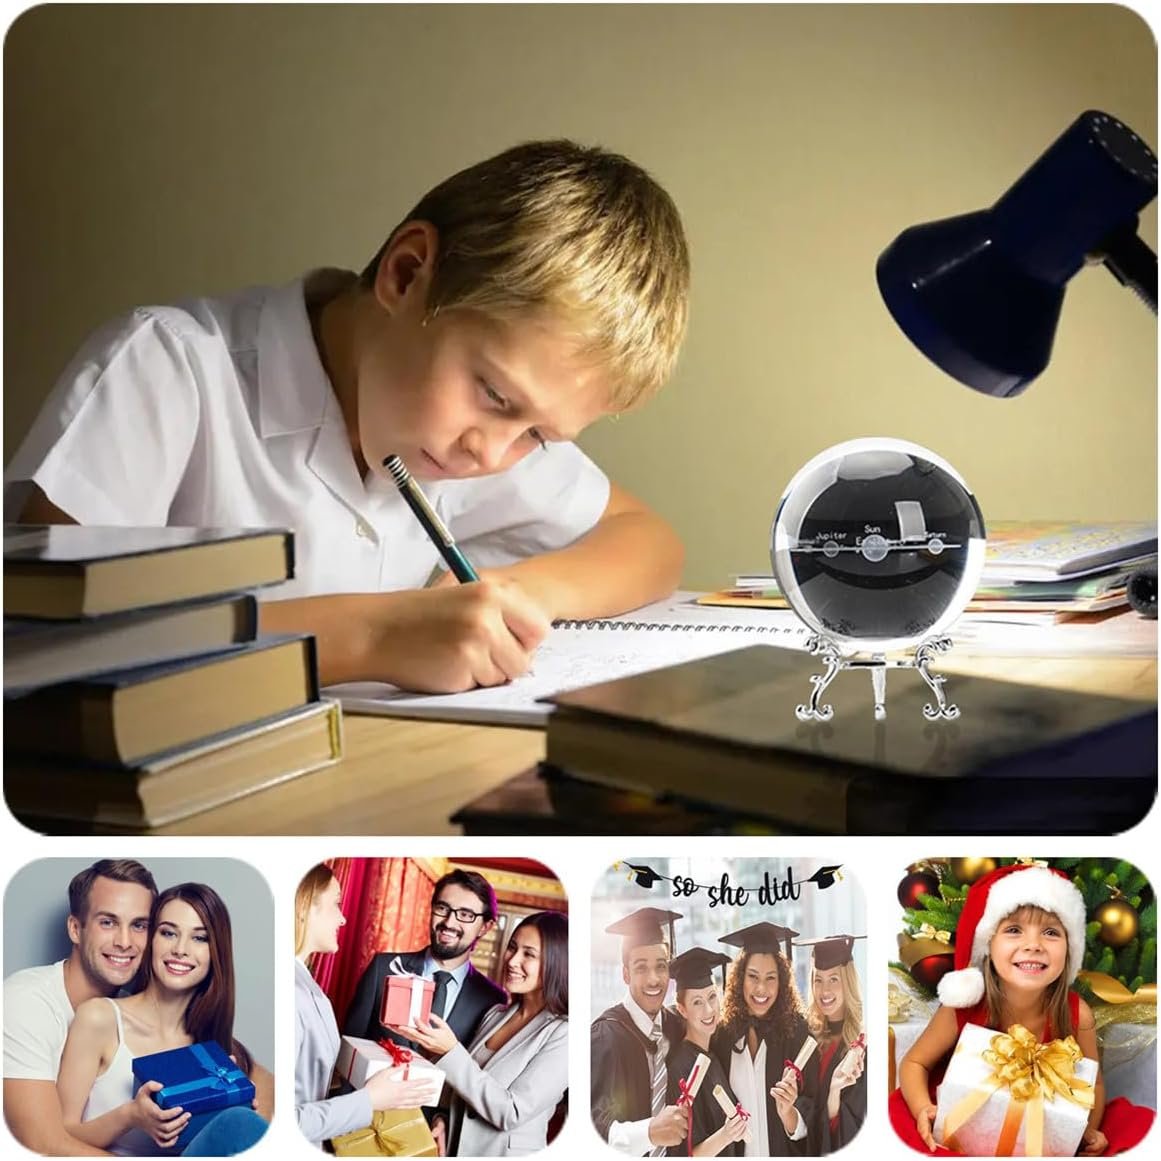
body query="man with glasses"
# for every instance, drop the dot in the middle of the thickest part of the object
(463, 911)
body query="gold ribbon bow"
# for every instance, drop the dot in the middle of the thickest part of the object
(926, 931)
(1032, 1073)
(1112, 991)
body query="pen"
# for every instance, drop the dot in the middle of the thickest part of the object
(460, 567)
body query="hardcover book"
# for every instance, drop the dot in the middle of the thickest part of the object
(45, 652)
(722, 731)
(62, 571)
(48, 794)
(132, 714)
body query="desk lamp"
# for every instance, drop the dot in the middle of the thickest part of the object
(980, 294)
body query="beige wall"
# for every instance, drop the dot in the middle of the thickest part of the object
(152, 153)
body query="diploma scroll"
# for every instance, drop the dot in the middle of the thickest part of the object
(799, 1062)
(731, 1110)
(690, 1085)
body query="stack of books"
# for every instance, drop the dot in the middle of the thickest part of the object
(137, 690)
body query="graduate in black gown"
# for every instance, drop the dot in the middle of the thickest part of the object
(630, 1041)
(835, 1016)
(699, 1004)
(764, 1026)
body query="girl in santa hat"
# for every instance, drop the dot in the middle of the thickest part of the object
(1018, 947)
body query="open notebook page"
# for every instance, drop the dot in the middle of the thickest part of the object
(575, 654)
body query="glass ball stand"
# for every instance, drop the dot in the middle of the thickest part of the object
(877, 663)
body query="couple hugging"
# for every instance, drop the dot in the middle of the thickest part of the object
(742, 1070)
(503, 1050)
(148, 971)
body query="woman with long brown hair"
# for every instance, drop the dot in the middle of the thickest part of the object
(183, 994)
(508, 1081)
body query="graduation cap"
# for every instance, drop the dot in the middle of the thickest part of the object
(831, 951)
(643, 876)
(763, 938)
(695, 968)
(645, 927)
(825, 876)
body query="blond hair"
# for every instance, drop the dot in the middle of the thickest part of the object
(852, 1005)
(1055, 994)
(573, 232)
(310, 887)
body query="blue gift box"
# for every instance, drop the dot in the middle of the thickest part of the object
(199, 1078)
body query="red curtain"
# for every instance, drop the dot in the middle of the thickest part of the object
(387, 903)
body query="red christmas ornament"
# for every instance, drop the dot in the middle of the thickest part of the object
(915, 885)
(931, 969)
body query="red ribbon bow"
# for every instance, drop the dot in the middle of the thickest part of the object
(860, 1041)
(685, 1100)
(741, 1112)
(398, 1054)
(794, 1069)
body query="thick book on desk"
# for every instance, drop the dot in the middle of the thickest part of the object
(44, 652)
(63, 571)
(722, 730)
(132, 714)
(544, 800)
(48, 794)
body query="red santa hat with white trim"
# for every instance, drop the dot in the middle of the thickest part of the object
(990, 900)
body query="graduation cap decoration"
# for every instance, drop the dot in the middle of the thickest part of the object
(825, 876)
(643, 876)
(695, 968)
(645, 927)
(831, 951)
(763, 938)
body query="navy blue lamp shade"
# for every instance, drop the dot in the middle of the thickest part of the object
(980, 294)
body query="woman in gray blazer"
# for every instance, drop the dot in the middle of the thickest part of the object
(317, 920)
(507, 1083)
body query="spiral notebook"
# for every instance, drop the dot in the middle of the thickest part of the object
(580, 653)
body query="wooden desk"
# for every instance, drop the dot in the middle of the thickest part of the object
(408, 777)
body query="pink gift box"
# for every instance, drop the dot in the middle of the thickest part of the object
(406, 999)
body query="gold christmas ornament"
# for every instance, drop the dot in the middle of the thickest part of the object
(969, 870)
(1119, 922)
(913, 948)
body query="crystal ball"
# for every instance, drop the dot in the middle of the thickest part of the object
(878, 544)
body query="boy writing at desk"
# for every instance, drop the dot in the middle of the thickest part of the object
(521, 300)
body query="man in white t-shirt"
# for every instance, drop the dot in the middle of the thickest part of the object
(108, 925)
(521, 300)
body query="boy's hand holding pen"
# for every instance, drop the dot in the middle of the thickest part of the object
(452, 638)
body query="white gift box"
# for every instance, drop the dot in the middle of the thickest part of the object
(1064, 1120)
(360, 1059)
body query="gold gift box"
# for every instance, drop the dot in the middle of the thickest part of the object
(391, 1133)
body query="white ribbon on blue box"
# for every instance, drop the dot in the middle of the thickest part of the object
(198, 1078)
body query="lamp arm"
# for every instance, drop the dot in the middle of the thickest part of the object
(1131, 262)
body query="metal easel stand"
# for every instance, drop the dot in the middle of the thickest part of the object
(878, 663)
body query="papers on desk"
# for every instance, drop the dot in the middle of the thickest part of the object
(580, 653)
(1118, 634)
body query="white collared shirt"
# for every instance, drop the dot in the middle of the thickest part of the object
(632, 1137)
(750, 1084)
(218, 413)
